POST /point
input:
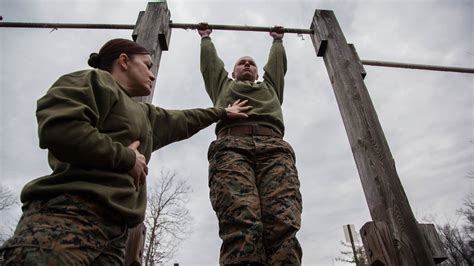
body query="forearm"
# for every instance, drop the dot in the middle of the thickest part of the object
(174, 125)
(212, 69)
(275, 69)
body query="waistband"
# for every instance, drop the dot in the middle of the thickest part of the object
(249, 130)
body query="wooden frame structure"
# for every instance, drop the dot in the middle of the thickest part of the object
(394, 237)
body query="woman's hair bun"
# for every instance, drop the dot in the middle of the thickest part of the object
(94, 60)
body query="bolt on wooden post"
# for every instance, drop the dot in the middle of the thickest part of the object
(383, 190)
(152, 31)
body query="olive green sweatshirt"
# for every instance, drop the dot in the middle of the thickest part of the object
(86, 121)
(266, 97)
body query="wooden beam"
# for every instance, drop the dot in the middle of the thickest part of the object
(153, 32)
(378, 244)
(135, 244)
(382, 187)
(356, 59)
(438, 253)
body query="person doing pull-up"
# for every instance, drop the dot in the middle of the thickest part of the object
(253, 181)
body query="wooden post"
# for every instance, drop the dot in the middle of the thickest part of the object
(378, 244)
(382, 187)
(434, 242)
(349, 233)
(153, 32)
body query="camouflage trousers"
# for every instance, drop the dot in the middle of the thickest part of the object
(65, 230)
(254, 190)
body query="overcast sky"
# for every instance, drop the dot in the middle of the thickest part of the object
(427, 116)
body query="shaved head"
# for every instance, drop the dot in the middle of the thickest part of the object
(245, 69)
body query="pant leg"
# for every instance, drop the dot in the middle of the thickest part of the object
(114, 252)
(235, 200)
(280, 198)
(61, 231)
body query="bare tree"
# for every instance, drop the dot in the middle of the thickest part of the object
(167, 218)
(348, 254)
(458, 240)
(7, 199)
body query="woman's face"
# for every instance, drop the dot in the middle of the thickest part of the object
(139, 75)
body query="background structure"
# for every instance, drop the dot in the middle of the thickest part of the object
(427, 116)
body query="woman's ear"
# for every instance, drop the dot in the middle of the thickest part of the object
(123, 61)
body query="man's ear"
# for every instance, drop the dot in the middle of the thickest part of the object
(123, 61)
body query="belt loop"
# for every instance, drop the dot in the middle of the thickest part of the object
(254, 129)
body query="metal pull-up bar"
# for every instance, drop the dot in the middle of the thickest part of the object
(131, 27)
(239, 28)
(417, 66)
(227, 27)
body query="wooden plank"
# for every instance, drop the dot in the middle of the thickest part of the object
(383, 190)
(357, 61)
(378, 244)
(319, 37)
(434, 242)
(155, 21)
(150, 25)
(136, 29)
(135, 244)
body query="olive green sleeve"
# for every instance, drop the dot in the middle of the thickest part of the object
(213, 70)
(174, 125)
(67, 118)
(275, 69)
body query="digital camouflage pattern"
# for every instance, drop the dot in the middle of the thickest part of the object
(254, 190)
(65, 230)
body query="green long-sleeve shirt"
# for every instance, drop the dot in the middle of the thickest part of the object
(86, 121)
(266, 97)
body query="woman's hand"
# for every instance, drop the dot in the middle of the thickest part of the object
(238, 109)
(140, 169)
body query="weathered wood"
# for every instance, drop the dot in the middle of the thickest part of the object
(319, 39)
(382, 187)
(164, 30)
(154, 22)
(350, 235)
(378, 244)
(135, 243)
(136, 29)
(151, 24)
(357, 61)
(434, 242)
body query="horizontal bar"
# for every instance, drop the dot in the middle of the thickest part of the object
(131, 27)
(226, 27)
(417, 66)
(239, 28)
(65, 25)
